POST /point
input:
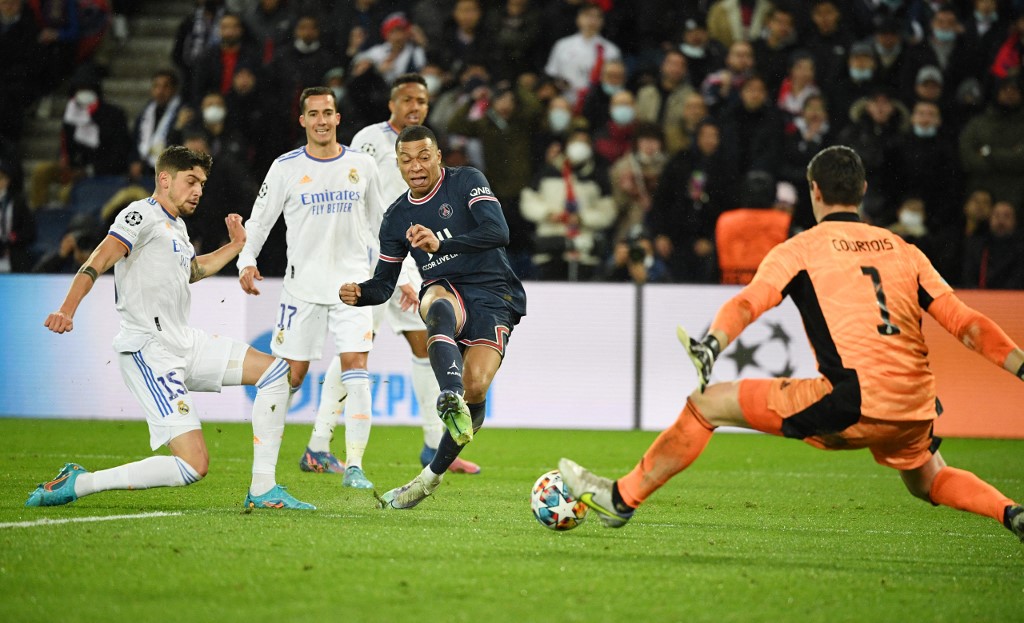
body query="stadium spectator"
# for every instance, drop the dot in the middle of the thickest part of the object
(858, 81)
(806, 135)
(399, 53)
(212, 121)
(799, 84)
(506, 129)
(992, 144)
(829, 41)
(17, 224)
(154, 124)
(355, 26)
(19, 71)
(994, 260)
(872, 391)
(752, 129)
(774, 50)
(516, 30)
(634, 178)
(890, 52)
(984, 31)
(571, 206)
(269, 23)
(614, 138)
(576, 60)
(197, 33)
(879, 126)
(596, 98)
(929, 165)
(83, 234)
(942, 48)
(951, 238)
(464, 38)
(252, 113)
(721, 88)
(738, 20)
(633, 260)
(296, 66)
(703, 54)
(695, 187)
(59, 35)
(1009, 59)
(911, 224)
(558, 122)
(664, 101)
(215, 67)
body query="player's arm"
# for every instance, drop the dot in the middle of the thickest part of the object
(977, 332)
(211, 263)
(377, 289)
(108, 253)
(265, 211)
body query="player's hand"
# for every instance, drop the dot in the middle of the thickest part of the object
(409, 300)
(421, 237)
(250, 275)
(236, 230)
(350, 293)
(702, 355)
(59, 322)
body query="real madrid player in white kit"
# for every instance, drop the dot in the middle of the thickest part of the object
(409, 105)
(162, 359)
(331, 199)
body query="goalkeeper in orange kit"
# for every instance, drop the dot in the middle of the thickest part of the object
(861, 292)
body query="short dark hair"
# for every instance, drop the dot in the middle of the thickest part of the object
(177, 158)
(839, 173)
(411, 133)
(407, 79)
(170, 74)
(310, 92)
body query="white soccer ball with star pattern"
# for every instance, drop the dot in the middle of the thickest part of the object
(552, 504)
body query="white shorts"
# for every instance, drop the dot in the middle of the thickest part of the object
(400, 321)
(163, 382)
(300, 328)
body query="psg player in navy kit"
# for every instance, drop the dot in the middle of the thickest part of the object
(453, 226)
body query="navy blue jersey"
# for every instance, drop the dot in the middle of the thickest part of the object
(467, 220)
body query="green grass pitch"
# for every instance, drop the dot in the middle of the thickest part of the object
(759, 529)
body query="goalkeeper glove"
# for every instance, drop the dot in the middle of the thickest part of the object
(702, 354)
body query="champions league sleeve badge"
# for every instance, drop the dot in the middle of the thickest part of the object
(133, 218)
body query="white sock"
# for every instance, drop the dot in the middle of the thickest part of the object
(268, 412)
(424, 384)
(156, 471)
(358, 410)
(430, 477)
(332, 403)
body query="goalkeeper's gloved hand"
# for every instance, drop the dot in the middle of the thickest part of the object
(702, 354)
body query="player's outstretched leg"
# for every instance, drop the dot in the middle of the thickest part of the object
(60, 490)
(358, 413)
(318, 456)
(594, 491)
(1013, 519)
(446, 361)
(411, 494)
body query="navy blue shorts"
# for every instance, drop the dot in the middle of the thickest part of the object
(489, 319)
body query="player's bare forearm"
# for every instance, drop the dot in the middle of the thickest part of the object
(211, 263)
(103, 257)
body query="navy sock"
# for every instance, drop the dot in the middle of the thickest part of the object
(448, 450)
(445, 357)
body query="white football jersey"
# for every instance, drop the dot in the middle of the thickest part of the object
(152, 282)
(332, 208)
(378, 140)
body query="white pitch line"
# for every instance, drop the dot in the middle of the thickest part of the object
(54, 522)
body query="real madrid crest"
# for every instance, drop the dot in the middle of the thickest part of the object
(280, 337)
(353, 176)
(183, 407)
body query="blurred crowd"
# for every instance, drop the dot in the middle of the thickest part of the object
(646, 141)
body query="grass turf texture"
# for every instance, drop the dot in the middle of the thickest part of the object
(758, 529)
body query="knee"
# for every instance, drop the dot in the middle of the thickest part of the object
(918, 487)
(440, 316)
(200, 463)
(475, 389)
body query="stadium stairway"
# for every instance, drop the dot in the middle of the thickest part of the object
(129, 66)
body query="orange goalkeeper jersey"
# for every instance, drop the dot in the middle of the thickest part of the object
(861, 291)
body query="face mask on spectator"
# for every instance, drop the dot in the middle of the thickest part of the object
(433, 84)
(911, 219)
(623, 114)
(86, 98)
(921, 131)
(861, 74)
(985, 17)
(578, 152)
(214, 114)
(339, 94)
(306, 48)
(944, 36)
(558, 119)
(610, 89)
(692, 51)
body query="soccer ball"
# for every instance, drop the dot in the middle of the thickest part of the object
(552, 504)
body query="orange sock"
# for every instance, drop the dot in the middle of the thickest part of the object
(964, 491)
(672, 452)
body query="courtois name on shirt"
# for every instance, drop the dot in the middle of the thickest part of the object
(330, 201)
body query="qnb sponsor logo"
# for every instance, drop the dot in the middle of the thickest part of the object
(858, 246)
(330, 201)
(480, 190)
